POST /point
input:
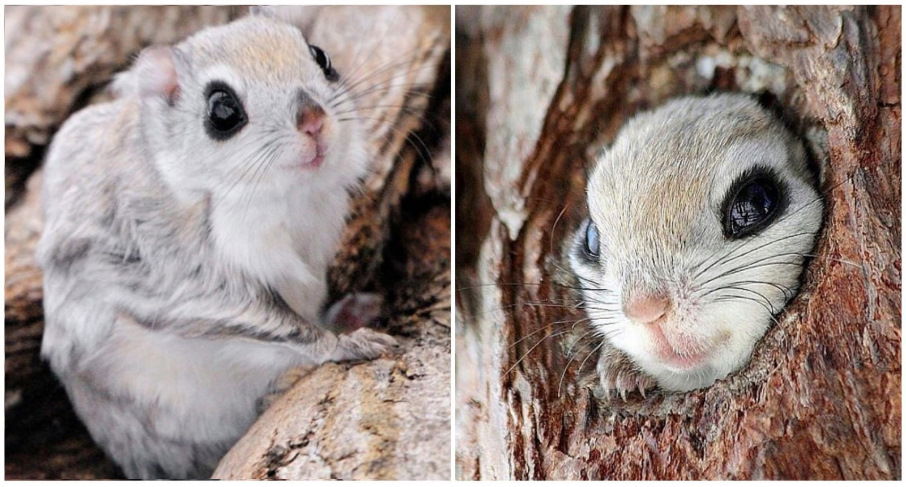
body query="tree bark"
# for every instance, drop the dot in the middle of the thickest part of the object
(539, 89)
(366, 420)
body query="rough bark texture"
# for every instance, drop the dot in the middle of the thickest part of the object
(383, 419)
(538, 90)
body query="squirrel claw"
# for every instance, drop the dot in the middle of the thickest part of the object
(363, 344)
(621, 379)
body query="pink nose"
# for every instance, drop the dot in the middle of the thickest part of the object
(646, 308)
(311, 121)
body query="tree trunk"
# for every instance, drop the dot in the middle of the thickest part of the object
(538, 90)
(387, 418)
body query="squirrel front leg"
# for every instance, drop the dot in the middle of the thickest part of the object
(265, 319)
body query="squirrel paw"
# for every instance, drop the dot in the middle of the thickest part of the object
(354, 311)
(363, 344)
(620, 377)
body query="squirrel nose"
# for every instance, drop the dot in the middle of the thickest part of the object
(310, 120)
(309, 115)
(646, 308)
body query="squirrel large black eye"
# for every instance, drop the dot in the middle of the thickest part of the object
(323, 61)
(592, 245)
(752, 204)
(225, 115)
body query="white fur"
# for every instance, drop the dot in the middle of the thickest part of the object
(656, 196)
(168, 255)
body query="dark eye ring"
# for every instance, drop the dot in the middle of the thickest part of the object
(323, 61)
(592, 241)
(754, 201)
(225, 115)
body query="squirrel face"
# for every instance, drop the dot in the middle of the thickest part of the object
(248, 104)
(702, 214)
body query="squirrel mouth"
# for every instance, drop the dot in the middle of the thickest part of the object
(684, 353)
(316, 159)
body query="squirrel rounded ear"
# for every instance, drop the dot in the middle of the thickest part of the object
(152, 75)
(295, 15)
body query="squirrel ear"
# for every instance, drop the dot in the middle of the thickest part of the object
(152, 75)
(296, 15)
